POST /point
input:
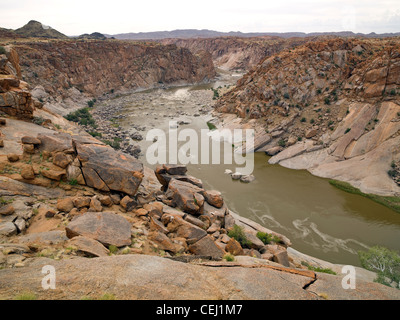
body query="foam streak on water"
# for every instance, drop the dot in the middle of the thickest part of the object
(329, 243)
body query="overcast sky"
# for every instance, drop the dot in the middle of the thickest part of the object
(75, 17)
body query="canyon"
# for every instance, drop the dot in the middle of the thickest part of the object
(238, 53)
(331, 107)
(63, 73)
(67, 196)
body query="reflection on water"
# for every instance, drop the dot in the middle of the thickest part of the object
(320, 220)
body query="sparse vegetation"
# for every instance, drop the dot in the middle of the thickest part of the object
(2, 50)
(38, 120)
(4, 202)
(238, 234)
(73, 182)
(387, 201)
(83, 117)
(91, 103)
(113, 249)
(267, 238)
(229, 257)
(318, 269)
(385, 262)
(115, 144)
(26, 296)
(216, 93)
(107, 296)
(211, 126)
(95, 134)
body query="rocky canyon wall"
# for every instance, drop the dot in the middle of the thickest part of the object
(15, 98)
(234, 53)
(67, 71)
(330, 106)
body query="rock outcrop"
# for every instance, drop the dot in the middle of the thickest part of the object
(15, 98)
(155, 278)
(330, 106)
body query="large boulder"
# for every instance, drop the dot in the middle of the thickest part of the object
(89, 246)
(185, 196)
(214, 198)
(59, 142)
(182, 228)
(207, 247)
(105, 227)
(165, 173)
(105, 169)
(8, 229)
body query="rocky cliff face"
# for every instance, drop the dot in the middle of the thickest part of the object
(15, 98)
(64, 70)
(329, 104)
(234, 53)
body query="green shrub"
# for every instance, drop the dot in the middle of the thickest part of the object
(2, 50)
(216, 93)
(90, 104)
(211, 126)
(73, 182)
(392, 173)
(229, 257)
(267, 238)
(238, 234)
(385, 262)
(83, 117)
(95, 134)
(281, 143)
(327, 101)
(286, 96)
(303, 120)
(113, 249)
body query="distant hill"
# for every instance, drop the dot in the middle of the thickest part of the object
(194, 33)
(93, 36)
(8, 33)
(35, 29)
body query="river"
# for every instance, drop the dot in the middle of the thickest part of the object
(320, 220)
